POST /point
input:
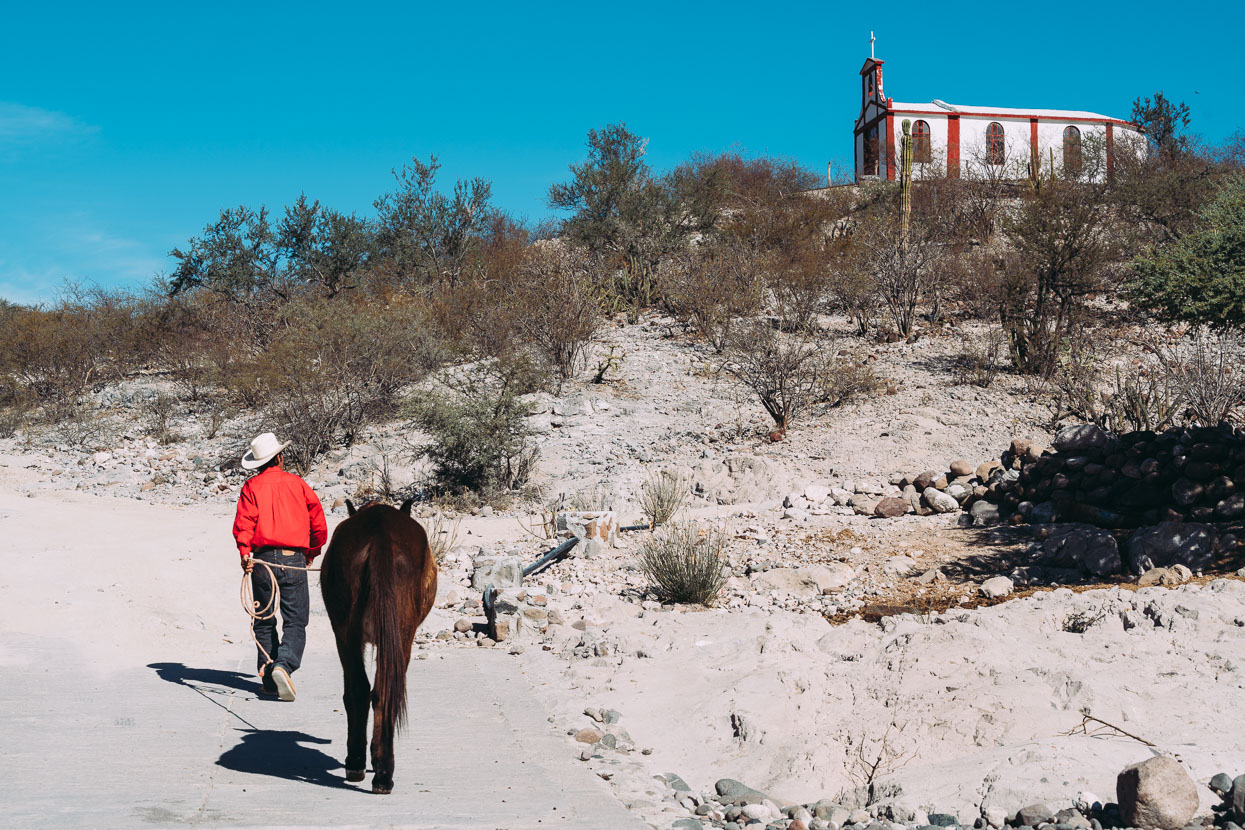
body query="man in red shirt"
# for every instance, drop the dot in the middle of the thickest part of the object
(279, 521)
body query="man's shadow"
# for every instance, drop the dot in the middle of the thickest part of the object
(184, 675)
(282, 755)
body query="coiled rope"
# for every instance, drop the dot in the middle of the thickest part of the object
(269, 611)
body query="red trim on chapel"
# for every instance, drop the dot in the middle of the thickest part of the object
(953, 146)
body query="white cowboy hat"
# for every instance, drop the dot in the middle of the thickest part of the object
(263, 448)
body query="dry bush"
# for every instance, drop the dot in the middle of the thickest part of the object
(982, 359)
(713, 287)
(442, 533)
(1123, 396)
(334, 368)
(557, 307)
(798, 287)
(1210, 371)
(159, 410)
(686, 563)
(790, 376)
(56, 356)
(664, 494)
(594, 499)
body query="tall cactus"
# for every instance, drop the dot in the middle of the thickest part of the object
(905, 181)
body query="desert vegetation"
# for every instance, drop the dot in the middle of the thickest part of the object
(1120, 297)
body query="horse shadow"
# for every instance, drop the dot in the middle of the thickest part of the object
(282, 754)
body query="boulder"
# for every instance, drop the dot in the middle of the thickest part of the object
(499, 571)
(1089, 548)
(984, 513)
(731, 791)
(1033, 815)
(785, 580)
(1171, 543)
(816, 493)
(1156, 793)
(828, 578)
(900, 566)
(891, 508)
(1082, 438)
(590, 525)
(996, 587)
(938, 501)
(1233, 507)
(984, 469)
(961, 467)
(1236, 799)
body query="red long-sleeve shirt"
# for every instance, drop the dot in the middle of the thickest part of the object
(278, 509)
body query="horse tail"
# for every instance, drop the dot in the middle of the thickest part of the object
(390, 686)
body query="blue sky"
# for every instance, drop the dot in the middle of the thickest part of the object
(125, 128)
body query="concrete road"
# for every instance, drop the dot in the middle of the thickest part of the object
(128, 697)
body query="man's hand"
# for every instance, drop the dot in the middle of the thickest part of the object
(247, 564)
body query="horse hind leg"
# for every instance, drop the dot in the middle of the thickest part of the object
(382, 748)
(355, 700)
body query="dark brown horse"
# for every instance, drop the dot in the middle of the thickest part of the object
(379, 581)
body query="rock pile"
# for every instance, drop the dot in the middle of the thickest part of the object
(1137, 479)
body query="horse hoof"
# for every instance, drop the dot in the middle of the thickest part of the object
(354, 775)
(381, 789)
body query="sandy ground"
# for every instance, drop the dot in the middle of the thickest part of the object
(128, 696)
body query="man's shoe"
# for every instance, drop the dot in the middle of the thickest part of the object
(285, 686)
(267, 687)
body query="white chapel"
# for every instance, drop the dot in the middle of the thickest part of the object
(979, 141)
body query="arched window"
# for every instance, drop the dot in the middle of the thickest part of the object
(995, 151)
(922, 153)
(1072, 151)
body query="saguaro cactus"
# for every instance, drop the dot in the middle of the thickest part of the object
(905, 180)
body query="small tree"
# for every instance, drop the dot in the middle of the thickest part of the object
(1163, 124)
(429, 235)
(1064, 246)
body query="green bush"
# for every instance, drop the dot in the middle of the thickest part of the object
(479, 440)
(1200, 278)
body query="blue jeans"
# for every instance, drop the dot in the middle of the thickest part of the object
(295, 608)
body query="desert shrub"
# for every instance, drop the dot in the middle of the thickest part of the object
(1064, 249)
(56, 355)
(664, 494)
(798, 290)
(596, 498)
(982, 359)
(442, 533)
(850, 285)
(685, 563)
(790, 376)
(1121, 396)
(1210, 371)
(479, 439)
(713, 288)
(334, 368)
(83, 428)
(557, 306)
(159, 410)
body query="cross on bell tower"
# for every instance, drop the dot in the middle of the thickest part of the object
(871, 40)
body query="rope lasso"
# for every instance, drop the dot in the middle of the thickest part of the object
(269, 611)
